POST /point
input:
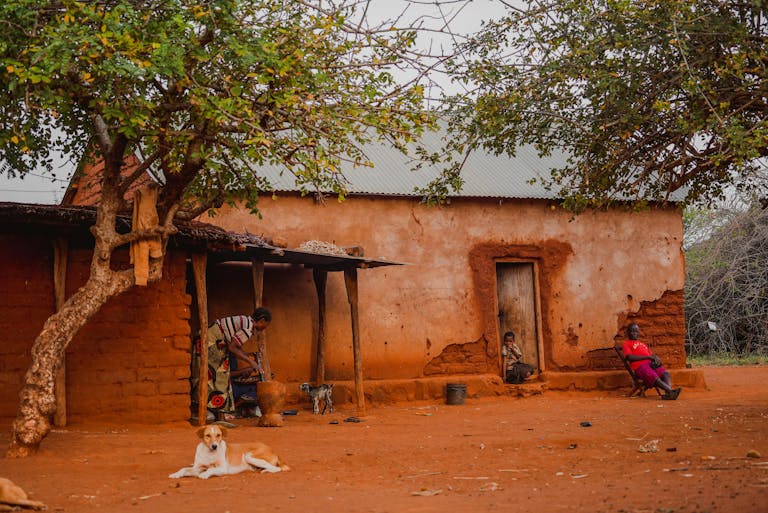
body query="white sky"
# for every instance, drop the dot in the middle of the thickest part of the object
(38, 187)
(465, 17)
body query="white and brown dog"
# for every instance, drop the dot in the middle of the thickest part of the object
(319, 393)
(214, 457)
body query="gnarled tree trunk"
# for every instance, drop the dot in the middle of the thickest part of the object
(37, 401)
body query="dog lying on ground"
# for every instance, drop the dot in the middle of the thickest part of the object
(12, 496)
(214, 457)
(319, 393)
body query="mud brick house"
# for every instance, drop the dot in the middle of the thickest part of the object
(132, 358)
(501, 255)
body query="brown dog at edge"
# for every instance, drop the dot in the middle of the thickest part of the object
(12, 496)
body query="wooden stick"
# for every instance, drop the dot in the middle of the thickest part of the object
(199, 263)
(321, 278)
(350, 280)
(60, 256)
(257, 270)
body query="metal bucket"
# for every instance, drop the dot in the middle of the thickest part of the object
(455, 393)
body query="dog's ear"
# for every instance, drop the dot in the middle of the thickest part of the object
(223, 431)
(200, 431)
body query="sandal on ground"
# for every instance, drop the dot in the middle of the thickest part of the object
(672, 394)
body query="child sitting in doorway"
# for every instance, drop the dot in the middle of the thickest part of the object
(515, 371)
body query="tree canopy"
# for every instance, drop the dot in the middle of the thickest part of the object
(199, 93)
(645, 97)
(202, 92)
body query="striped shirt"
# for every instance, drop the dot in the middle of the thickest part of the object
(513, 354)
(237, 329)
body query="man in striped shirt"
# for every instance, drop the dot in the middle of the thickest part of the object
(226, 335)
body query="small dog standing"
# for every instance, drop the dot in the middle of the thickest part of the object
(214, 457)
(319, 393)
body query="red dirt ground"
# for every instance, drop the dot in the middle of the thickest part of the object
(500, 454)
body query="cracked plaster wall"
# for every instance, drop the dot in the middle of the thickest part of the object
(595, 271)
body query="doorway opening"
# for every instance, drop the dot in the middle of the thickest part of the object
(516, 287)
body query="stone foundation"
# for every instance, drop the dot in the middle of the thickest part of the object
(382, 392)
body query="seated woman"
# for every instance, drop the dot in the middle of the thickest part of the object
(647, 365)
(244, 379)
(515, 371)
(224, 337)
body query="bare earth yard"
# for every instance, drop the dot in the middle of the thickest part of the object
(501, 454)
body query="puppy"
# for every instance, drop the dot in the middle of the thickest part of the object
(319, 393)
(12, 496)
(214, 457)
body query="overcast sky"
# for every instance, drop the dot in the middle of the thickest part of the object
(465, 17)
(38, 187)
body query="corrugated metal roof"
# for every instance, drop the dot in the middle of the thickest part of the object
(484, 174)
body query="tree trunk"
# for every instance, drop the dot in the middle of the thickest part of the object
(37, 400)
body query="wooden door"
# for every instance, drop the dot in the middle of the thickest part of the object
(516, 289)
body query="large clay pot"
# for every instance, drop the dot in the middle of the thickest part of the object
(271, 398)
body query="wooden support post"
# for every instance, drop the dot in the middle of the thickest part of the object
(257, 270)
(199, 263)
(321, 278)
(60, 255)
(350, 280)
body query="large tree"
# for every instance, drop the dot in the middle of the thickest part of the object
(645, 97)
(198, 92)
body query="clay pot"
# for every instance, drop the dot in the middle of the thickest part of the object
(270, 396)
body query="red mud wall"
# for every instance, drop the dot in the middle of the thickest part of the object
(86, 188)
(26, 301)
(660, 328)
(130, 359)
(438, 315)
(471, 358)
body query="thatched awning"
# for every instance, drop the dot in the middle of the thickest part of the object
(314, 260)
(220, 244)
(77, 220)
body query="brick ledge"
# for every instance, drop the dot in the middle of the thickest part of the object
(390, 391)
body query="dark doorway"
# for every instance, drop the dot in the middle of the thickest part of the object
(516, 288)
